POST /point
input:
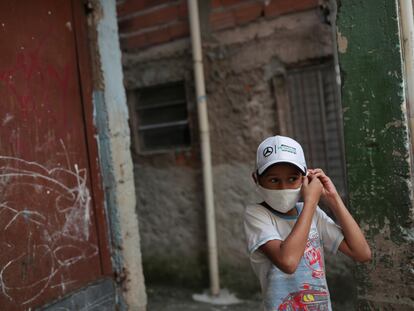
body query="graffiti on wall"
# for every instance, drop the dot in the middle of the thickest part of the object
(32, 80)
(45, 223)
(48, 231)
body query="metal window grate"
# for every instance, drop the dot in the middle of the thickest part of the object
(315, 115)
(162, 117)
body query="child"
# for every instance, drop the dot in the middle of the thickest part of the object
(285, 237)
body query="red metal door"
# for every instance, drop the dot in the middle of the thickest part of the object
(50, 211)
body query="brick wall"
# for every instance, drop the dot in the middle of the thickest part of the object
(144, 23)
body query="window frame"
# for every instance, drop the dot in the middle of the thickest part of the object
(284, 108)
(136, 137)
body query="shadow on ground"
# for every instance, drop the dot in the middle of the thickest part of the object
(179, 299)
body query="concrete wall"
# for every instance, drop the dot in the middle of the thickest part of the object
(241, 56)
(378, 150)
(111, 117)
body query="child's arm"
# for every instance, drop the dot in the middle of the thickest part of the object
(286, 254)
(354, 244)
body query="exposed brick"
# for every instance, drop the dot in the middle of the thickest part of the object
(215, 4)
(179, 30)
(186, 159)
(133, 6)
(248, 13)
(280, 7)
(221, 20)
(233, 2)
(129, 7)
(183, 11)
(135, 42)
(159, 36)
(153, 18)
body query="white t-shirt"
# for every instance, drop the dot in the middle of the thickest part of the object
(307, 285)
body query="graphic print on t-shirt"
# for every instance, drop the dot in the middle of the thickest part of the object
(309, 298)
(285, 291)
(313, 255)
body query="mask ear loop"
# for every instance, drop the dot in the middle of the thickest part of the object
(255, 177)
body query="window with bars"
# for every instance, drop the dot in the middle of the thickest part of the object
(309, 110)
(161, 117)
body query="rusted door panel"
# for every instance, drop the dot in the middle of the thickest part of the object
(48, 229)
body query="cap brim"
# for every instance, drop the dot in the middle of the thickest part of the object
(267, 165)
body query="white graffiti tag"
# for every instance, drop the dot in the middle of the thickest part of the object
(45, 225)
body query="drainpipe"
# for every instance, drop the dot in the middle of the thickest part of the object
(205, 147)
(407, 30)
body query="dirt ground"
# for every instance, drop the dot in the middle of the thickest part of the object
(166, 298)
(179, 299)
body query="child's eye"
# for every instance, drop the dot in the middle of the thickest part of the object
(293, 179)
(274, 180)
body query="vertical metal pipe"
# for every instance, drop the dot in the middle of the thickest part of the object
(407, 31)
(205, 146)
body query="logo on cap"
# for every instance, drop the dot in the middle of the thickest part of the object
(267, 151)
(287, 149)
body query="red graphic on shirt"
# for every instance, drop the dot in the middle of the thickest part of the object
(310, 298)
(313, 255)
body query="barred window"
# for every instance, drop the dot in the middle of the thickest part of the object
(161, 117)
(309, 110)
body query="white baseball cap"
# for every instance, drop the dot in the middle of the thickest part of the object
(280, 149)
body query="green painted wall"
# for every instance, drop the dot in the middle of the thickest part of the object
(377, 149)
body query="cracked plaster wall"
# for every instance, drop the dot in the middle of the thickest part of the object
(239, 65)
(111, 118)
(379, 159)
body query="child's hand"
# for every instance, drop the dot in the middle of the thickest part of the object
(311, 189)
(329, 190)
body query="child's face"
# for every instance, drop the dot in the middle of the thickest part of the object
(281, 176)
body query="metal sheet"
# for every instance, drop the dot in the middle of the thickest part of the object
(48, 234)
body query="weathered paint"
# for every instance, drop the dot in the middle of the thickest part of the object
(48, 204)
(114, 138)
(240, 64)
(377, 148)
(110, 185)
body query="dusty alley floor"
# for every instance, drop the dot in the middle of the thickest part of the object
(178, 299)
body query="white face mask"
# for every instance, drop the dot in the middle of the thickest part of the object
(280, 200)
